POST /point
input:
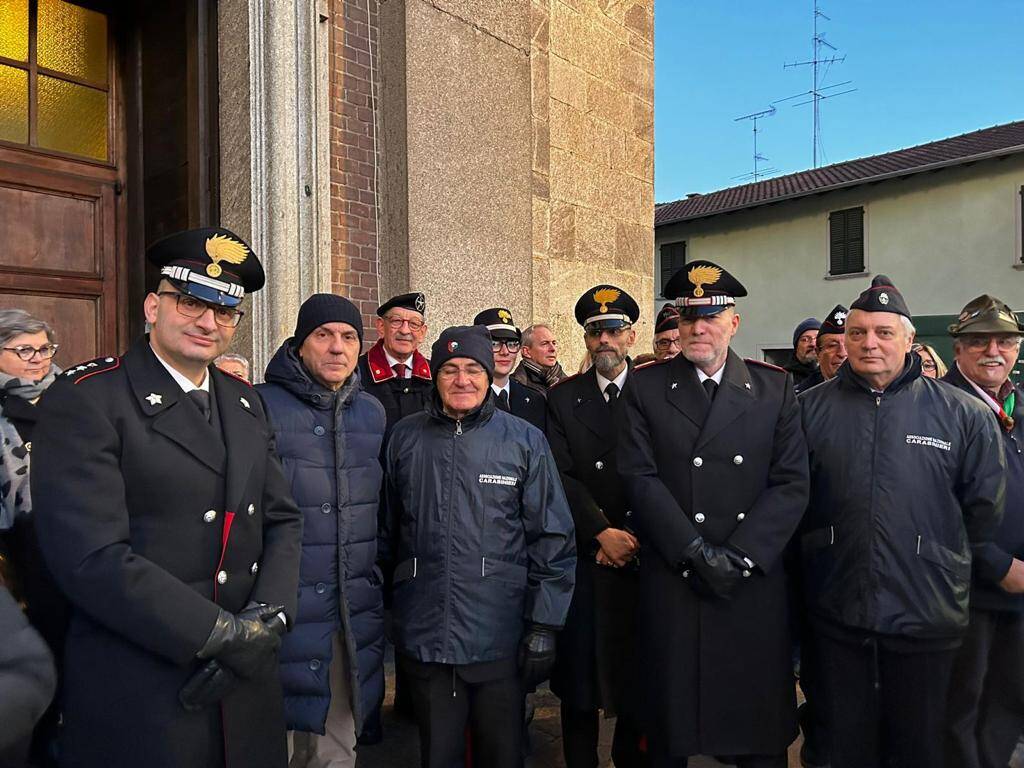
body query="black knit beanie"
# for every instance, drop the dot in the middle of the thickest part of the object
(472, 341)
(323, 308)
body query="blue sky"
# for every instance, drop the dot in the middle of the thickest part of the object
(923, 70)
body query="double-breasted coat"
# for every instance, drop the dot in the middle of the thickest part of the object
(733, 470)
(595, 649)
(152, 519)
(527, 403)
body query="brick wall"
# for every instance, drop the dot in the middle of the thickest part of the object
(354, 78)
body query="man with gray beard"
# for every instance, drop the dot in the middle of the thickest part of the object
(714, 462)
(593, 669)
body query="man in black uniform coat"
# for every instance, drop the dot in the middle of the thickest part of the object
(593, 668)
(510, 395)
(165, 517)
(393, 370)
(714, 460)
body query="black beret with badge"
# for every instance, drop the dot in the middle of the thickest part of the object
(606, 307)
(703, 288)
(986, 314)
(414, 302)
(499, 323)
(882, 296)
(667, 319)
(835, 321)
(212, 264)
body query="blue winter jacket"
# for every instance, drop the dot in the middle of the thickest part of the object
(330, 444)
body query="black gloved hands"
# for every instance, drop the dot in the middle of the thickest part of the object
(245, 643)
(715, 571)
(206, 687)
(537, 655)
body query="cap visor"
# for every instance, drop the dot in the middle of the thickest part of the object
(207, 294)
(607, 323)
(702, 311)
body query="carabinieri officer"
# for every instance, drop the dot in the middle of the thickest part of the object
(714, 461)
(165, 517)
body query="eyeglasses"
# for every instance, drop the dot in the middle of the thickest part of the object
(26, 352)
(508, 344)
(663, 345)
(396, 323)
(190, 306)
(595, 333)
(980, 343)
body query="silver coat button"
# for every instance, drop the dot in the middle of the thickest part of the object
(210, 516)
(252, 509)
(698, 461)
(222, 577)
(699, 517)
(737, 459)
(599, 464)
(746, 574)
(255, 567)
(741, 516)
(686, 574)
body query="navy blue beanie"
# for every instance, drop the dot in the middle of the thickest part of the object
(321, 308)
(810, 324)
(472, 341)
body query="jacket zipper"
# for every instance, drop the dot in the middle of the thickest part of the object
(448, 552)
(872, 611)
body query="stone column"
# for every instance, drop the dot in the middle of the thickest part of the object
(275, 155)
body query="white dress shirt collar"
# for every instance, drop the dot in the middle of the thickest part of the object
(393, 361)
(618, 381)
(182, 380)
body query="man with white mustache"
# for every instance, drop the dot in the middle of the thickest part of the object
(986, 715)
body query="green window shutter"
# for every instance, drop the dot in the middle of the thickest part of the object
(846, 241)
(673, 258)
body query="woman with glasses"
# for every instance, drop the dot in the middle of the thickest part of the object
(931, 364)
(26, 370)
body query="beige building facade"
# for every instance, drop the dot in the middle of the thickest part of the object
(943, 234)
(493, 152)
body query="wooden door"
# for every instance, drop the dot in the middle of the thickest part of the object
(59, 174)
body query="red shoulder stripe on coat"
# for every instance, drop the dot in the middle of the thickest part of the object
(92, 368)
(763, 364)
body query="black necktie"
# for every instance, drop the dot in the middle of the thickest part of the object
(612, 393)
(202, 401)
(502, 400)
(710, 386)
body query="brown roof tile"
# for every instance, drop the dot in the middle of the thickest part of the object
(968, 147)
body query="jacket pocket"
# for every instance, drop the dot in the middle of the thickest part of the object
(404, 571)
(945, 558)
(502, 570)
(812, 541)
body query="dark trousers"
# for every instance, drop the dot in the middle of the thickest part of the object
(884, 708)
(445, 704)
(580, 729)
(986, 705)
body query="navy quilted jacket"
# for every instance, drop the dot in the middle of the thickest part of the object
(329, 444)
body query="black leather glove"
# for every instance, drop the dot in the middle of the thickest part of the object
(715, 571)
(537, 655)
(247, 642)
(208, 686)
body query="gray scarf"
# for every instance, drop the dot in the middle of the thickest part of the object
(15, 499)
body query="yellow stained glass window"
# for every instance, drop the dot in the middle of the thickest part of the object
(14, 29)
(72, 40)
(13, 104)
(71, 118)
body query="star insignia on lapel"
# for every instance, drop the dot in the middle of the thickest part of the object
(675, 384)
(155, 399)
(746, 384)
(243, 401)
(527, 399)
(579, 400)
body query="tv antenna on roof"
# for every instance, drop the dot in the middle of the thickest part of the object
(758, 171)
(820, 63)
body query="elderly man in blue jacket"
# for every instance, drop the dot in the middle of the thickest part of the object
(481, 534)
(329, 433)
